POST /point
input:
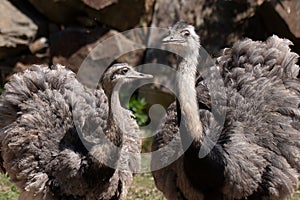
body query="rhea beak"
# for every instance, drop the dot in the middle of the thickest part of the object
(167, 39)
(137, 75)
(171, 40)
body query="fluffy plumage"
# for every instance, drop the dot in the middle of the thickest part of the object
(257, 153)
(54, 134)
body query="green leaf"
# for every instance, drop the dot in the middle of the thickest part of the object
(137, 106)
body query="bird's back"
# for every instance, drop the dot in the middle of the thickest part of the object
(262, 122)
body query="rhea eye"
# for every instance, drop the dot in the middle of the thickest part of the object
(124, 71)
(185, 33)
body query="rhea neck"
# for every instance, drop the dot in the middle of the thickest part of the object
(115, 112)
(187, 96)
(114, 99)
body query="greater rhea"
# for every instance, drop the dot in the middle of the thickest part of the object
(256, 149)
(62, 140)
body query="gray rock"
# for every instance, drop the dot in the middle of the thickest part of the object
(290, 12)
(71, 46)
(16, 30)
(119, 14)
(270, 19)
(94, 50)
(59, 11)
(124, 15)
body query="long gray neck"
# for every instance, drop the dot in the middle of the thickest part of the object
(188, 97)
(114, 101)
(115, 114)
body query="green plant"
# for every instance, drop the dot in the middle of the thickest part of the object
(138, 106)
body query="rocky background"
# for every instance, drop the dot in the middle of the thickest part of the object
(65, 31)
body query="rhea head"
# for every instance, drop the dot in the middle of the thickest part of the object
(183, 38)
(118, 74)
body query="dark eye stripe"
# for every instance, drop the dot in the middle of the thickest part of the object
(121, 71)
(124, 70)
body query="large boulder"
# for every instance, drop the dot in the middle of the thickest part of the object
(59, 11)
(276, 18)
(17, 30)
(119, 14)
(289, 11)
(72, 45)
(124, 15)
(94, 50)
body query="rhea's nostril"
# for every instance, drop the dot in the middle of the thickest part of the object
(141, 74)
